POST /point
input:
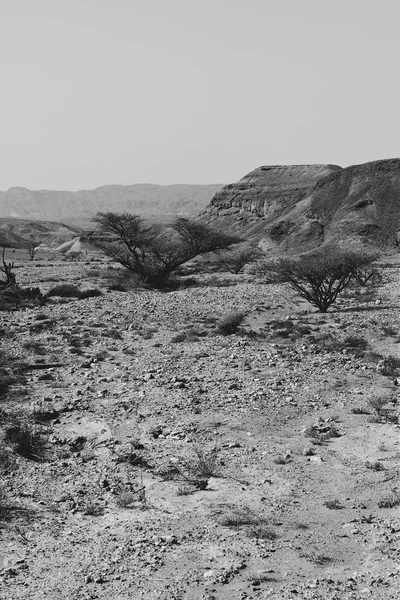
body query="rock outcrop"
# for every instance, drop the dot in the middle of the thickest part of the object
(296, 208)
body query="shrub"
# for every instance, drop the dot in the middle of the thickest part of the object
(235, 260)
(255, 526)
(390, 501)
(229, 324)
(29, 441)
(68, 290)
(64, 290)
(375, 466)
(90, 293)
(333, 504)
(319, 277)
(34, 346)
(14, 296)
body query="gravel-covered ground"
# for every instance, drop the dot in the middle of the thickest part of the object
(181, 463)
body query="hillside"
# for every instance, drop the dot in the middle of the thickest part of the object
(304, 206)
(18, 233)
(144, 199)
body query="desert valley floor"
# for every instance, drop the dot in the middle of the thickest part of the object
(184, 464)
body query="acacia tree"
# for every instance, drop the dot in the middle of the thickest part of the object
(154, 252)
(32, 247)
(234, 260)
(320, 277)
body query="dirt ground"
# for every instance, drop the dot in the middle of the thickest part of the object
(181, 463)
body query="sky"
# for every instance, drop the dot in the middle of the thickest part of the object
(97, 92)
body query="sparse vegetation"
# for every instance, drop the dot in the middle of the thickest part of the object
(28, 440)
(319, 277)
(237, 259)
(155, 252)
(375, 466)
(68, 290)
(390, 501)
(333, 504)
(229, 324)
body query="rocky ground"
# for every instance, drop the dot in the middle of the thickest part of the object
(177, 462)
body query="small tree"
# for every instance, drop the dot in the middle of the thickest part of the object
(7, 269)
(236, 259)
(33, 247)
(154, 252)
(320, 277)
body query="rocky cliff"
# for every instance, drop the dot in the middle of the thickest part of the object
(299, 207)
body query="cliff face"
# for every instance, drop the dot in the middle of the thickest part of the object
(296, 208)
(267, 190)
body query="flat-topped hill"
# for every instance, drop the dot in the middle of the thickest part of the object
(302, 206)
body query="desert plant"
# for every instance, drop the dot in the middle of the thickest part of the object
(377, 403)
(185, 490)
(94, 510)
(33, 247)
(154, 252)
(389, 366)
(391, 500)
(254, 525)
(375, 466)
(15, 296)
(197, 469)
(28, 440)
(90, 293)
(68, 290)
(64, 290)
(333, 504)
(204, 463)
(8, 270)
(389, 330)
(236, 259)
(319, 277)
(34, 346)
(229, 323)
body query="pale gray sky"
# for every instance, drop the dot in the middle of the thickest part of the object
(97, 92)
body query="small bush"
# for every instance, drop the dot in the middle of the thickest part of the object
(355, 343)
(389, 330)
(390, 501)
(65, 290)
(236, 259)
(90, 293)
(179, 337)
(203, 464)
(375, 466)
(230, 323)
(333, 504)
(377, 403)
(185, 490)
(16, 297)
(254, 525)
(68, 290)
(28, 441)
(34, 346)
(389, 366)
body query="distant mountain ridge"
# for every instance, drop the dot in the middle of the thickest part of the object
(294, 208)
(148, 200)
